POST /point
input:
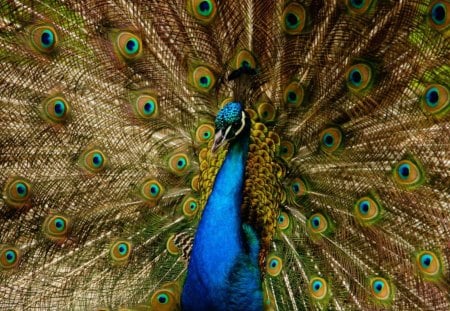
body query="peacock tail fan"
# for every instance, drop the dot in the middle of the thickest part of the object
(298, 148)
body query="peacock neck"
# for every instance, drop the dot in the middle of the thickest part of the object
(219, 239)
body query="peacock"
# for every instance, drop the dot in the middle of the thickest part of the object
(225, 155)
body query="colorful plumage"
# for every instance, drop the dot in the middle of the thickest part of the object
(225, 155)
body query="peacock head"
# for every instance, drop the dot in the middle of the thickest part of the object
(230, 122)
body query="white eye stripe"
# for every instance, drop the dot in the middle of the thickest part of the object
(242, 125)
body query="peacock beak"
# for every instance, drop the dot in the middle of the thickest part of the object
(220, 139)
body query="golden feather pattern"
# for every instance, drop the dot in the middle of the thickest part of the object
(107, 121)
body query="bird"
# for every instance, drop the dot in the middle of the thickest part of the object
(224, 155)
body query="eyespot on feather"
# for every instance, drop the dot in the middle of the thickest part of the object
(164, 299)
(331, 140)
(318, 288)
(287, 150)
(128, 45)
(266, 112)
(293, 19)
(359, 77)
(93, 160)
(203, 11)
(359, 6)
(293, 94)
(120, 251)
(245, 59)
(408, 173)
(151, 191)
(179, 163)
(190, 206)
(429, 265)
(203, 79)
(317, 224)
(436, 100)
(9, 257)
(381, 289)
(145, 106)
(204, 133)
(283, 221)
(439, 17)
(171, 247)
(17, 192)
(56, 109)
(56, 227)
(44, 38)
(298, 187)
(274, 265)
(367, 210)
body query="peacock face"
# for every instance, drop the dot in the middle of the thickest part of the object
(230, 122)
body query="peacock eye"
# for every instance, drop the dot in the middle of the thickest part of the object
(93, 160)
(367, 210)
(9, 257)
(359, 77)
(318, 288)
(56, 109)
(17, 192)
(44, 38)
(408, 173)
(120, 251)
(203, 79)
(429, 265)
(294, 19)
(203, 10)
(358, 6)
(436, 100)
(381, 289)
(151, 191)
(331, 140)
(129, 45)
(164, 300)
(274, 265)
(179, 163)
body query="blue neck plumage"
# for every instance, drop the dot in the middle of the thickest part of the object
(224, 260)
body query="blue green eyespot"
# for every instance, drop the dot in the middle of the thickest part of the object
(93, 160)
(409, 174)
(331, 140)
(151, 191)
(283, 221)
(439, 17)
(17, 192)
(381, 289)
(166, 298)
(190, 206)
(179, 163)
(359, 6)
(129, 45)
(203, 79)
(293, 19)
(274, 265)
(203, 10)
(359, 77)
(266, 112)
(44, 38)
(287, 150)
(367, 210)
(120, 251)
(9, 257)
(436, 100)
(204, 133)
(318, 288)
(57, 227)
(56, 110)
(429, 265)
(293, 94)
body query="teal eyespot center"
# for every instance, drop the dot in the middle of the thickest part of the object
(97, 160)
(60, 108)
(154, 190)
(132, 46)
(438, 13)
(292, 21)
(162, 298)
(11, 256)
(404, 171)
(181, 163)
(281, 219)
(193, 206)
(364, 207)
(378, 286)
(206, 134)
(60, 224)
(426, 260)
(22, 189)
(355, 77)
(47, 38)
(317, 285)
(315, 222)
(296, 187)
(432, 97)
(273, 263)
(149, 107)
(205, 81)
(358, 4)
(205, 8)
(292, 97)
(328, 140)
(123, 249)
